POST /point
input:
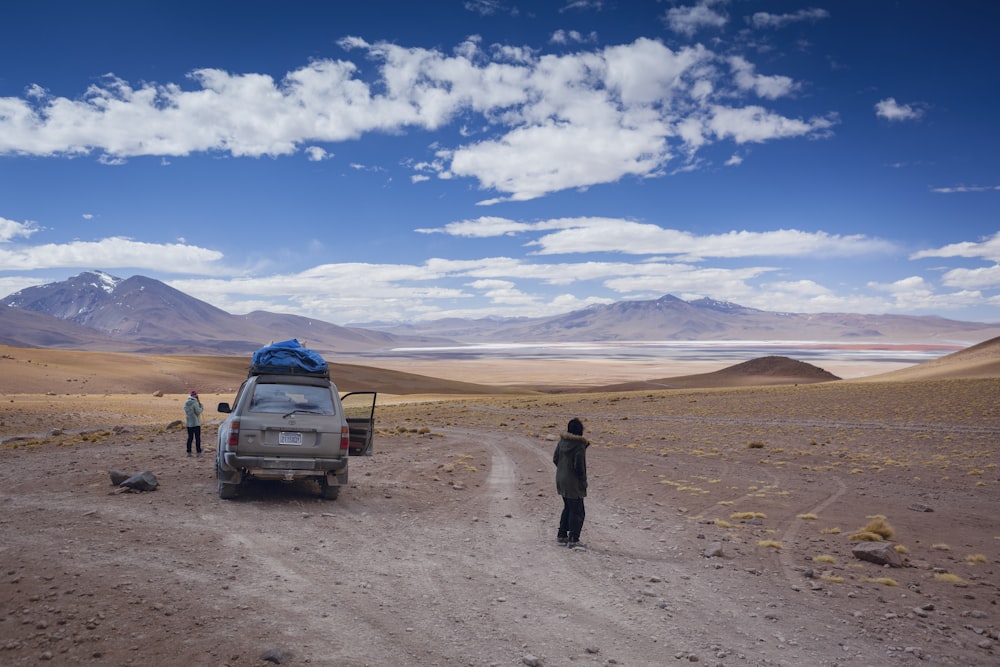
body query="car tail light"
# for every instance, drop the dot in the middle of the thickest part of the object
(234, 435)
(345, 438)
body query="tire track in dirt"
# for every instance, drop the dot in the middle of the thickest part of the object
(635, 615)
(785, 556)
(320, 567)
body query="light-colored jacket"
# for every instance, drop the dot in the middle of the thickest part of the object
(192, 410)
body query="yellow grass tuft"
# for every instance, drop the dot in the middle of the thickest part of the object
(824, 558)
(880, 525)
(877, 526)
(865, 536)
(722, 523)
(830, 531)
(949, 578)
(771, 544)
(972, 559)
(747, 515)
(900, 549)
(885, 581)
(940, 546)
(807, 517)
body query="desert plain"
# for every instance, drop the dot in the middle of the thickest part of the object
(722, 519)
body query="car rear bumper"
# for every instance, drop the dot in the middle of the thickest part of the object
(272, 467)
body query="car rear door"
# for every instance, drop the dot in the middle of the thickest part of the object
(359, 408)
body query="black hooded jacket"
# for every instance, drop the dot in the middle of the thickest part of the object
(570, 459)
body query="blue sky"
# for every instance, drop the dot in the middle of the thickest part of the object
(357, 162)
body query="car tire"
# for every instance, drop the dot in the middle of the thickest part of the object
(327, 490)
(226, 490)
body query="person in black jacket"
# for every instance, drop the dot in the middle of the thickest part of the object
(570, 459)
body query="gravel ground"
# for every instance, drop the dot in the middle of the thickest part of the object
(718, 532)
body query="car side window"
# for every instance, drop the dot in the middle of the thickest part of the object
(239, 393)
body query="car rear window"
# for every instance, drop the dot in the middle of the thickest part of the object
(285, 398)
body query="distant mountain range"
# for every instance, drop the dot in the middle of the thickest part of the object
(97, 311)
(670, 318)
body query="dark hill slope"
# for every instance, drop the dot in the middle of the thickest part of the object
(978, 361)
(763, 371)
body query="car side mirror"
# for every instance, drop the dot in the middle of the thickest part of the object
(224, 407)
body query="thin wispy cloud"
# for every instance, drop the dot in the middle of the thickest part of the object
(986, 248)
(609, 235)
(776, 21)
(958, 189)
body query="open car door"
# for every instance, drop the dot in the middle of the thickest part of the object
(359, 408)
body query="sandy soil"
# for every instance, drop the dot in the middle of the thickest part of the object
(442, 550)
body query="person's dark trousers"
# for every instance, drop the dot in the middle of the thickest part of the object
(571, 520)
(194, 433)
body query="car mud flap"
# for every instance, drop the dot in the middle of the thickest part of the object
(229, 476)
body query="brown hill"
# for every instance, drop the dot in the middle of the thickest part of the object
(978, 361)
(41, 371)
(777, 367)
(763, 371)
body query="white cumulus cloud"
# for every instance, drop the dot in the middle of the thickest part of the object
(689, 19)
(11, 229)
(545, 122)
(893, 111)
(112, 253)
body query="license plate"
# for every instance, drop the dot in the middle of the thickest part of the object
(289, 438)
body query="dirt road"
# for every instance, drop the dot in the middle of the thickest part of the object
(442, 550)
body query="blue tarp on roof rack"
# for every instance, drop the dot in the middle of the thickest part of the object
(288, 358)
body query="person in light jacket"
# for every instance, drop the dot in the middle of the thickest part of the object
(192, 414)
(570, 459)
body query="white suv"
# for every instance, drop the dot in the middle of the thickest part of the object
(291, 427)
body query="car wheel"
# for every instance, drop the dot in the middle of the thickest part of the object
(226, 490)
(327, 490)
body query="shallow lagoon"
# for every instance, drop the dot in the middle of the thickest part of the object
(646, 359)
(722, 352)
